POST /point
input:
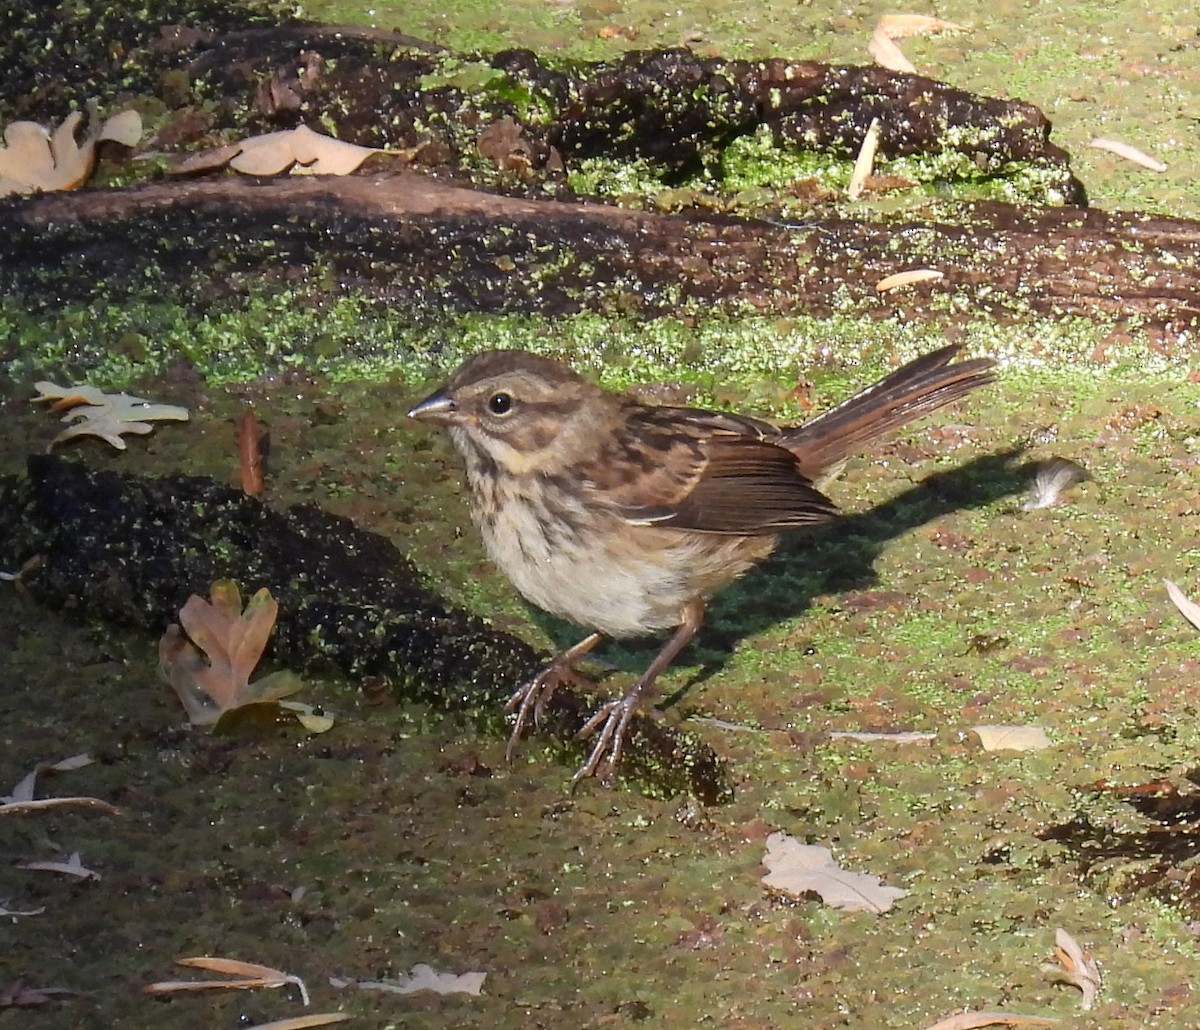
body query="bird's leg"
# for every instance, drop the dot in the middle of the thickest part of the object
(530, 698)
(613, 718)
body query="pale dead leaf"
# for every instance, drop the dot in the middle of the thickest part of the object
(250, 975)
(1012, 738)
(37, 158)
(301, 149)
(303, 1022)
(864, 164)
(1076, 967)
(885, 53)
(975, 1020)
(902, 26)
(887, 738)
(890, 27)
(422, 978)
(106, 415)
(10, 807)
(124, 128)
(21, 799)
(913, 275)
(19, 912)
(796, 869)
(73, 866)
(1128, 152)
(1190, 610)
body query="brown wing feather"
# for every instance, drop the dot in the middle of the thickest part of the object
(708, 471)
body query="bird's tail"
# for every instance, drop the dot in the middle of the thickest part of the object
(921, 386)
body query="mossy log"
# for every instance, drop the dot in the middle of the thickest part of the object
(130, 550)
(414, 242)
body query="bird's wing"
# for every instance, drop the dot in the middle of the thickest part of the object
(707, 471)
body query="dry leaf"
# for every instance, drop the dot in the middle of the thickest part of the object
(106, 415)
(975, 1020)
(21, 799)
(864, 164)
(1190, 610)
(303, 1022)
(796, 869)
(73, 866)
(422, 978)
(1076, 967)
(210, 667)
(23, 791)
(1012, 738)
(17, 912)
(250, 974)
(1130, 153)
(890, 27)
(300, 149)
(887, 55)
(902, 26)
(36, 158)
(889, 738)
(913, 275)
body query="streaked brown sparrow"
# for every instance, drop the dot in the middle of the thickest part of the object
(624, 517)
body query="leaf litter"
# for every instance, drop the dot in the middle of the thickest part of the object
(299, 150)
(796, 870)
(422, 978)
(22, 797)
(248, 975)
(1076, 967)
(107, 415)
(209, 655)
(35, 158)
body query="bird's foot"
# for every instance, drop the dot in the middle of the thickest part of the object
(529, 700)
(612, 720)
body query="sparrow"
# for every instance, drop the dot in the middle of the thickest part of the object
(624, 517)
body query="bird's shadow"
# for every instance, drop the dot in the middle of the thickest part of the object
(830, 559)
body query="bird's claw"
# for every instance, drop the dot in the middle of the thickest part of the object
(612, 720)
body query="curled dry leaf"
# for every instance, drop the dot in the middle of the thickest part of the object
(303, 1022)
(890, 27)
(1190, 610)
(796, 869)
(1075, 967)
(249, 974)
(73, 866)
(901, 279)
(36, 158)
(902, 26)
(864, 164)
(106, 415)
(885, 53)
(1012, 738)
(300, 149)
(1128, 152)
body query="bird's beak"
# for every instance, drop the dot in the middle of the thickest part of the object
(437, 408)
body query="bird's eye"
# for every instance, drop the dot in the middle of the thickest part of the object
(500, 403)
